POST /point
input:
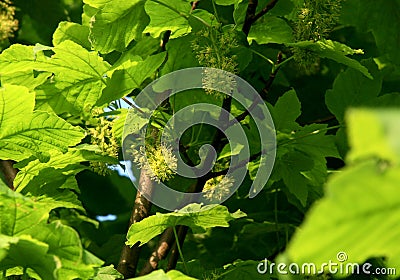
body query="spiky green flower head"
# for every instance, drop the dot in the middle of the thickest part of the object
(218, 187)
(213, 49)
(215, 82)
(8, 25)
(159, 163)
(315, 20)
(102, 136)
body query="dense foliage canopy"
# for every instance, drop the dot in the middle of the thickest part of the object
(329, 73)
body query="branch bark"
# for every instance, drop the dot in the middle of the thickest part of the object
(6, 167)
(130, 255)
(252, 17)
(272, 76)
(267, 8)
(250, 14)
(161, 252)
(173, 259)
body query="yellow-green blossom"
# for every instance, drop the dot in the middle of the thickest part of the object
(218, 187)
(8, 25)
(160, 164)
(213, 50)
(315, 20)
(103, 137)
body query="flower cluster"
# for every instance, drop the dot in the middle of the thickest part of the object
(218, 187)
(315, 20)
(103, 137)
(160, 164)
(8, 24)
(213, 49)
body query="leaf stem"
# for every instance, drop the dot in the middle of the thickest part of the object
(263, 56)
(310, 134)
(215, 10)
(25, 274)
(180, 250)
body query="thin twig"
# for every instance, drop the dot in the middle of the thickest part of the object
(130, 255)
(6, 166)
(272, 76)
(194, 5)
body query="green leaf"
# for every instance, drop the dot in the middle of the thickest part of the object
(29, 79)
(15, 103)
(227, 151)
(312, 139)
(270, 30)
(64, 242)
(108, 273)
(289, 168)
(161, 275)
(72, 31)
(227, 2)
(366, 15)
(172, 15)
(130, 75)
(285, 112)
(116, 24)
(78, 75)
(37, 135)
(243, 270)
(335, 51)
(345, 220)
(301, 163)
(351, 89)
(204, 218)
(58, 160)
(28, 252)
(19, 213)
(180, 56)
(20, 216)
(143, 48)
(358, 199)
(374, 134)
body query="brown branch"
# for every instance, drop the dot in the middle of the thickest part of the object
(272, 76)
(173, 259)
(322, 120)
(130, 255)
(6, 167)
(194, 5)
(252, 17)
(267, 8)
(167, 239)
(250, 14)
(165, 39)
(160, 253)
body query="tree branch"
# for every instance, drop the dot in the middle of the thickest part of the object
(250, 14)
(252, 17)
(161, 252)
(173, 259)
(272, 76)
(267, 8)
(6, 167)
(130, 255)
